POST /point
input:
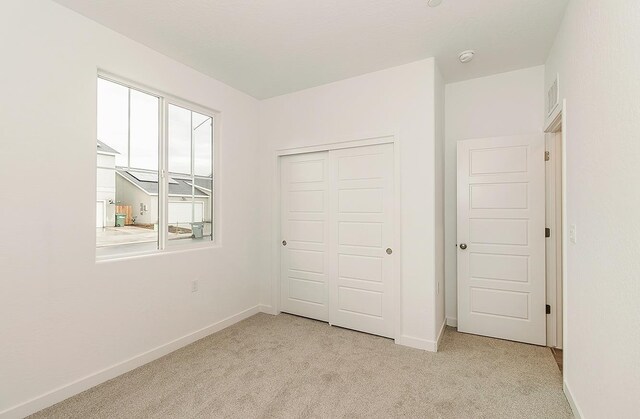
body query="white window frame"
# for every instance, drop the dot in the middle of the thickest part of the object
(163, 244)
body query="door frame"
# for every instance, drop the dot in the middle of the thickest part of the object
(396, 241)
(553, 243)
(557, 125)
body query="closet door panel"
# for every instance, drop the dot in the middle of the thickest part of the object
(304, 207)
(361, 231)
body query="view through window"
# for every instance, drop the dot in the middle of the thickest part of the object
(190, 170)
(130, 193)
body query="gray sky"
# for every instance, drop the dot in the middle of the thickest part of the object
(113, 130)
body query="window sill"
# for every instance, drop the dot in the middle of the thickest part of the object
(171, 249)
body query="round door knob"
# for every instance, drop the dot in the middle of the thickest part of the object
(284, 242)
(389, 250)
(463, 246)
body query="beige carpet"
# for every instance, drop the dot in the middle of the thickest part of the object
(290, 367)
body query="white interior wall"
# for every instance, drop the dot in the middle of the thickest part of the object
(399, 102)
(597, 55)
(499, 105)
(64, 317)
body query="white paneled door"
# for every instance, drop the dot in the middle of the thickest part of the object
(501, 238)
(361, 239)
(337, 237)
(305, 235)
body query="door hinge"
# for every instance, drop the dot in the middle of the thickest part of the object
(547, 155)
(548, 309)
(547, 232)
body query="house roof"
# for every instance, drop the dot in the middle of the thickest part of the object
(179, 185)
(205, 183)
(105, 149)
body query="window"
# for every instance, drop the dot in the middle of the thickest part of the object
(155, 171)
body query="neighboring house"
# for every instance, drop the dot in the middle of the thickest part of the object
(188, 202)
(106, 186)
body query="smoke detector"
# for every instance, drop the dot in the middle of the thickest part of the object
(466, 56)
(434, 3)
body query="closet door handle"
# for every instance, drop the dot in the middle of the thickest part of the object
(389, 250)
(284, 242)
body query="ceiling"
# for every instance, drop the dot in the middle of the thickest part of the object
(268, 48)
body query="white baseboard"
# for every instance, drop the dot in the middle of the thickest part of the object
(61, 393)
(267, 309)
(417, 343)
(424, 344)
(574, 407)
(441, 334)
(452, 321)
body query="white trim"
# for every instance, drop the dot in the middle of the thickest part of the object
(553, 244)
(397, 217)
(417, 343)
(565, 229)
(163, 179)
(175, 246)
(385, 139)
(61, 393)
(441, 334)
(452, 321)
(129, 127)
(123, 251)
(397, 236)
(216, 174)
(572, 402)
(558, 122)
(276, 232)
(267, 309)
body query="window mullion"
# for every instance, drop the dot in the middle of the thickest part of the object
(129, 128)
(193, 188)
(163, 190)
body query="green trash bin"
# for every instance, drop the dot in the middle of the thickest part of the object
(197, 230)
(120, 220)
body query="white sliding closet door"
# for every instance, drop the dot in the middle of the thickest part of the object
(305, 235)
(337, 237)
(361, 239)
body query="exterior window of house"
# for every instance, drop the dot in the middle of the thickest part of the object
(155, 184)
